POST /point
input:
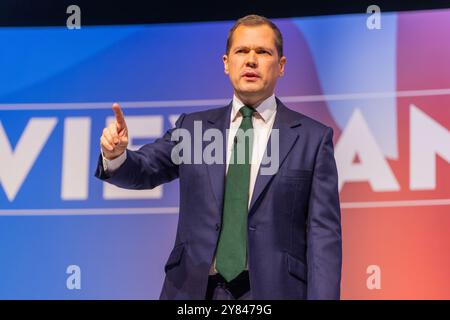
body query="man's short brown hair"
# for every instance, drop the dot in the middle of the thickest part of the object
(255, 20)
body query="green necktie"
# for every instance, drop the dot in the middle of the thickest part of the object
(231, 254)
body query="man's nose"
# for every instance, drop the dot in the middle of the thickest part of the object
(252, 60)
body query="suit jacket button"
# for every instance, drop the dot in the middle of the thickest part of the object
(252, 228)
(217, 227)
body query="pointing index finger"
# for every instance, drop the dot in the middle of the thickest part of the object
(119, 115)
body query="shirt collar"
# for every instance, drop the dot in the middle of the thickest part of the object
(265, 109)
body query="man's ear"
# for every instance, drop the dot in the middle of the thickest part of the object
(282, 63)
(225, 63)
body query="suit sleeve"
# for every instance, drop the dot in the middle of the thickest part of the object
(324, 241)
(147, 167)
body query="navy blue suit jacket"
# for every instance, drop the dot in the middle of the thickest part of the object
(294, 225)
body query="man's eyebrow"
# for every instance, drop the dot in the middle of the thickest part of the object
(264, 48)
(256, 48)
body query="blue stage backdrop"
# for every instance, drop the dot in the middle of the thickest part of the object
(64, 234)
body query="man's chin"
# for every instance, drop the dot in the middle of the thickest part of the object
(250, 93)
(251, 89)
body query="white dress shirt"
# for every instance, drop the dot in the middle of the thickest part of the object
(262, 121)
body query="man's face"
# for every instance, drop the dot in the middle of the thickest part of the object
(253, 63)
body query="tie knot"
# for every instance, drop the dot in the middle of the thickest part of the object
(246, 111)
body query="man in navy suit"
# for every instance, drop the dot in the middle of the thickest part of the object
(244, 231)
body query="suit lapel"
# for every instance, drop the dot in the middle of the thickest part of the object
(219, 120)
(285, 120)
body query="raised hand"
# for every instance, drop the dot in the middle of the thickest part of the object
(114, 140)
